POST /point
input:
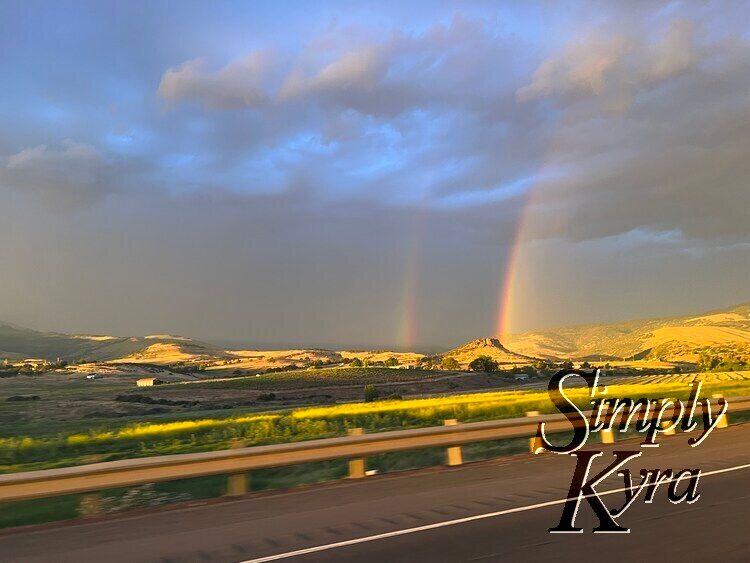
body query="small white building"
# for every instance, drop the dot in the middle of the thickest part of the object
(148, 382)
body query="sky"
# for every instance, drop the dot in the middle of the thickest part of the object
(407, 175)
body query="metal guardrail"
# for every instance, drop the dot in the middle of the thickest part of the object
(234, 462)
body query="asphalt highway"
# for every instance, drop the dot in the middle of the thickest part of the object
(490, 511)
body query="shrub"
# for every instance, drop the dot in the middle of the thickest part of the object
(483, 363)
(451, 363)
(371, 393)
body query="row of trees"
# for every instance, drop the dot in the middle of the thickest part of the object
(390, 362)
(482, 363)
(486, 364)
(9, 370)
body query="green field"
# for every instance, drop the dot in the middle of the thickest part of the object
(325, 377)
(168, 436)
(30, 406)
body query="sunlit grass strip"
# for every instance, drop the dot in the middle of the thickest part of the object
(145, 430)
(516, 402)
(165, 428)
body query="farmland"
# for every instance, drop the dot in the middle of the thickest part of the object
(31, 405)
(202, 433)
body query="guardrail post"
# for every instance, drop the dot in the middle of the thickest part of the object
(723, 421)
(91, 505)
(454, 454)
(238, 483)
(356, 466)
(668, 428)
(535, 444)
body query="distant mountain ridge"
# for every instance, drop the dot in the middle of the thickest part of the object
(673, 339)
(21, 343)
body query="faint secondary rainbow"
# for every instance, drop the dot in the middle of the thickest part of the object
(409, 314)
(408, 330)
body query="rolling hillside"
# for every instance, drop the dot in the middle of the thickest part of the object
(676, 339)
(18, 343)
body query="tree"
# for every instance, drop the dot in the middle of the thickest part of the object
(390, 362)
(484, 364)
(567, 364)
(449, 362)
(371, 393)
(356, 363)
(708, 361)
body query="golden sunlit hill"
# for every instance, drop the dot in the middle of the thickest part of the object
(166, 351)
(486, 347)
(265, 359)
(675, 339)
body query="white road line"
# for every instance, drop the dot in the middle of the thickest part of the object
(455, 522)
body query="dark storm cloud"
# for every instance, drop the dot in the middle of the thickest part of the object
(673, 157)
(252, 172)
(72, 175)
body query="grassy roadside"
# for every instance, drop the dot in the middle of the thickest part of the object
(67, 507)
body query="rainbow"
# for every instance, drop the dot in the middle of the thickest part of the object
(507, 295)
(408, 324)
(509, 284)
(511, 280)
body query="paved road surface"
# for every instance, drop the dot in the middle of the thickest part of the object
(487, 511)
